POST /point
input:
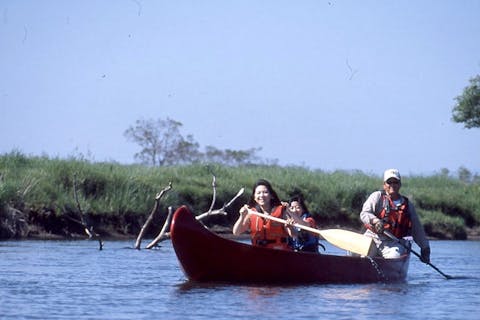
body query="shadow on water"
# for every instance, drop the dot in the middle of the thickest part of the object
(399, 287)
(190, 285)
(194, 285)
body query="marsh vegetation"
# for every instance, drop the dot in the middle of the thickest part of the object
(36, 195)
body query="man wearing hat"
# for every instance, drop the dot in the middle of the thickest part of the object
(388, 210)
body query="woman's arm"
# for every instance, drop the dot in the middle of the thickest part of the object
(241, 225)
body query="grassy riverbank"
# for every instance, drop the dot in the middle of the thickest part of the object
(118, 198)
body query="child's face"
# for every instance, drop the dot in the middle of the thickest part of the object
(296, 207)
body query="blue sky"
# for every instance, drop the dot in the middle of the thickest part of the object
(350, 85)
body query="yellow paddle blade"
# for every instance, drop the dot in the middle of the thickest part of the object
(349, 240)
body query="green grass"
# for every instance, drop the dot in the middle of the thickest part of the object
(446, 205)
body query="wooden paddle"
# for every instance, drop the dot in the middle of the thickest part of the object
(391, 236)
(343, 239)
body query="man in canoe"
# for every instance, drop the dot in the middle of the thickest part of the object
(264, 232)
(387, 211)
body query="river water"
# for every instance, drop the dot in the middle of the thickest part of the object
(75, 280)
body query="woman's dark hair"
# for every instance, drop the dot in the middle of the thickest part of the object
(275, 200)
(299, 199)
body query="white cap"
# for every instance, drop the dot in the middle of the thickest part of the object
(391, 173)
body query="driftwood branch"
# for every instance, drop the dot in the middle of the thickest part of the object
(79, 207)
(221, 210)
(88, 229)
(151, 216)
(239, 193)
(163, 235)
(214, 197)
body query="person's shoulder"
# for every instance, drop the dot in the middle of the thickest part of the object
(407, 202)
(376, 194)
(307, 215)
(310, 220)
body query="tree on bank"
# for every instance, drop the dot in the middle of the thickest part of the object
(467, 109)
(163, 144)
(231, 157)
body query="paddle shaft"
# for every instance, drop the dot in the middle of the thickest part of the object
(296, 225)
(391, 236)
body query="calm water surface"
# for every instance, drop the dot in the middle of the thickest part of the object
(74, 280)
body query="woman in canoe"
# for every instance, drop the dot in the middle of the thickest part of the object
(264, 232)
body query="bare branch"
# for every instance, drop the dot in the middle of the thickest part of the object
(211, 213)
(223, 209)
(162, 235)
(239, 193)
(88, 229)
(152, 214)
(214, 186)
(166, 189)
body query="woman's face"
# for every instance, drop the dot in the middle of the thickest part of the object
(296, 207)
(262, 196)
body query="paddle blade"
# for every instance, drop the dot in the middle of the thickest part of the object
(349, 240)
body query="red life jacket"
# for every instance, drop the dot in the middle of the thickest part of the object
(396, 219)
(268, 233)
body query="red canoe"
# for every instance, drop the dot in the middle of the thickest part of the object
(205, 256)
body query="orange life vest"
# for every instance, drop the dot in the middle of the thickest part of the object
(268, 233)
(396, 218)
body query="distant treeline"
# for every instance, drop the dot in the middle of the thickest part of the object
(37, 195)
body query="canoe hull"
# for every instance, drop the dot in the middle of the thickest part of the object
(205, 257)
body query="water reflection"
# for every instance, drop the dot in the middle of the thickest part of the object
(254, 293)
(251, 290)
(193, 285)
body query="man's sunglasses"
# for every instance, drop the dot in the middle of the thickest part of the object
(392, 181)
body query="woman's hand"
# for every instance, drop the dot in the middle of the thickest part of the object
(244, 210)
(290, 222)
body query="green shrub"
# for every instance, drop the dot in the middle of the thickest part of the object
(443, 226)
